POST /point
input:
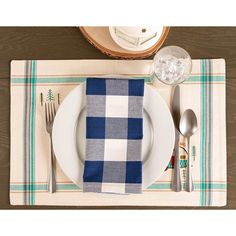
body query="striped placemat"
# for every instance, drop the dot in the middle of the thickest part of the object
(35, 81)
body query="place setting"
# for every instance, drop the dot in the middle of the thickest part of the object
(119, 132)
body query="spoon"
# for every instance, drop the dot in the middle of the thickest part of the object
(188, 126)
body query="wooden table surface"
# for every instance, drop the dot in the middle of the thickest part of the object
(68, 43)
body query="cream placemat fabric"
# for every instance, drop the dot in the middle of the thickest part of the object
(35, 81)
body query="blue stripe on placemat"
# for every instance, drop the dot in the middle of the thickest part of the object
(206, 132)
(202, 158)
(32, 132)
(29, 132)
(210, 124)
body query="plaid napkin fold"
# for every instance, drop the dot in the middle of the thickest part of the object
(114, 132)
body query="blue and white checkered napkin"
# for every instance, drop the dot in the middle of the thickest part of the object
(114, 132)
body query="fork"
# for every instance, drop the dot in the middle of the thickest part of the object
(50, 113)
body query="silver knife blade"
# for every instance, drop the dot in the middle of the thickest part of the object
(176, 183)
(176, 107)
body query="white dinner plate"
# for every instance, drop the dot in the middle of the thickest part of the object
(69, 135)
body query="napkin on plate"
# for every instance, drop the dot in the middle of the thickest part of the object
(114, 132)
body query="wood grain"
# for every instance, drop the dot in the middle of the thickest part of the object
(68, 43)
(109, 47)
(4, 141)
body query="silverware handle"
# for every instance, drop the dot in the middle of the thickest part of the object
(51, 179)
(176, 185)
(189, 182)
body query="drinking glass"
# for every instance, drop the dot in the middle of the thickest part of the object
(171, 65)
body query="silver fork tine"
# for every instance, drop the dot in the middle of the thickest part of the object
(45, 110)
(54, 110)
(46, 113)
(50, 111)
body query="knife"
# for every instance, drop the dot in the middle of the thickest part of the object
(176, 182)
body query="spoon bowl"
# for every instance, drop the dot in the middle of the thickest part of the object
(188, 123)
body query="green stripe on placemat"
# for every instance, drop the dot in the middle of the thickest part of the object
(48, 80)
(41, 187)
(198, 78)
(56, 80)
(197, 186)
(70, 186)
(51, 80)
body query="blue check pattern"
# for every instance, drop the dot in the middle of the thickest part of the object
(114, 132)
